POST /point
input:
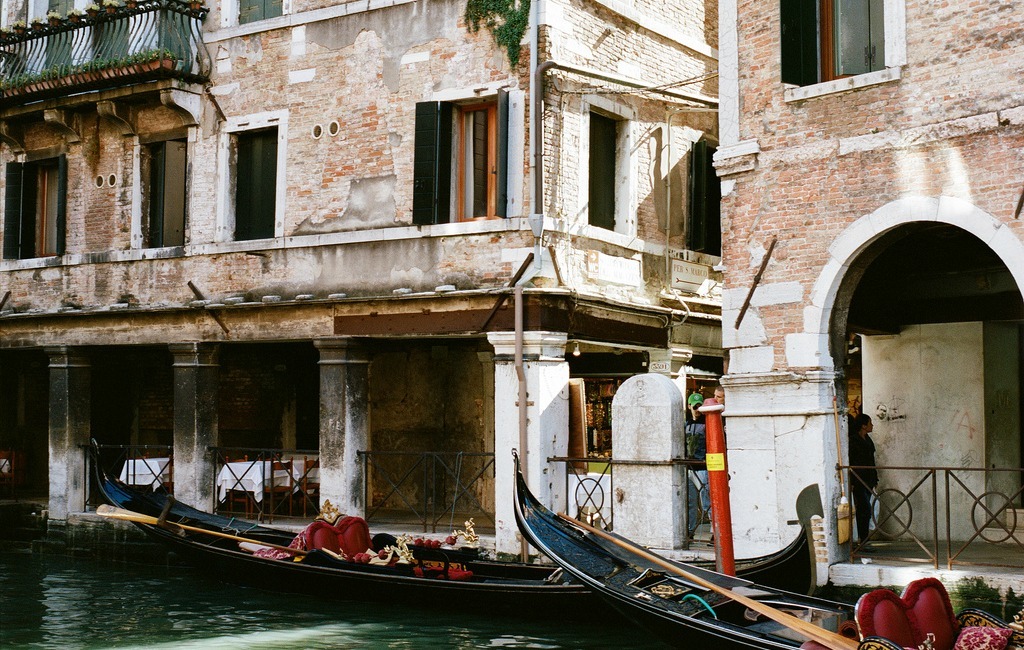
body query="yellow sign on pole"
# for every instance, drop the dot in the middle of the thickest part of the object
(715, 462)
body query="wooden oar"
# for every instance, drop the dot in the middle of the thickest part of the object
(129, 515)
(825, 637)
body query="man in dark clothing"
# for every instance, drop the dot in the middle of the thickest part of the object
(862, 481)
(696, 449)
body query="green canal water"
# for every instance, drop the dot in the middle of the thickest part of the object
(71, 603)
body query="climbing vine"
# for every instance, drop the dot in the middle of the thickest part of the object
(506, 21)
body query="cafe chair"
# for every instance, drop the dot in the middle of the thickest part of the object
(281, 486)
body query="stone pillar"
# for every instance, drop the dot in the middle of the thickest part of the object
(647, 426)
(196, 429)
(547, 430)
(70, 422)
(344, 423)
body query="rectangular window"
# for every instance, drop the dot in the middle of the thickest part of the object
(252, 10)
(165, 165)
(35, 206)
(255, 174)
(478, 134)
(603, 176)
(824, 40)
(704, 223)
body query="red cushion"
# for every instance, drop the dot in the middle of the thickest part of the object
(353, 535)
(320, 535)
(924, 607)
(983, 638)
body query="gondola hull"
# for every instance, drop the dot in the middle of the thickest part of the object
(666, 598)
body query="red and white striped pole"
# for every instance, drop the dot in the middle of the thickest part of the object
(718, 482)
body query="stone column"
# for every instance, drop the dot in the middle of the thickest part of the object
(647, 426)
(70, 421)
(196, 429)
(344, 423)
(547, 430)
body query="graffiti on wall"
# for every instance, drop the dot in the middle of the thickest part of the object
(891, 411)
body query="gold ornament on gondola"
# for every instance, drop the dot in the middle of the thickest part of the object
(472, 539)
(1018, 622)
(329, 512)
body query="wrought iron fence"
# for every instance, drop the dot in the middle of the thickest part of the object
(264, 483)
(142, 466)
(589, 489)
(429, 487)
(975, 520)
(149, 39)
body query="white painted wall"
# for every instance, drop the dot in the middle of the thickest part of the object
(925, 391)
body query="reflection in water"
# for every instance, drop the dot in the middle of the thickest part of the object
(53, 602)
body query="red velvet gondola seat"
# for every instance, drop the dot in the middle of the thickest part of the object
(349, 535)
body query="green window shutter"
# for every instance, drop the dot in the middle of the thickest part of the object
(256, 185)
(273, 8)
(14, 182)
(432, 163)
(852, 37)
(62, 204)
(602, 171)
(799, 42)
(157, 171)
(877, 32)
(249, 11)
(704, 229)
(501, 155)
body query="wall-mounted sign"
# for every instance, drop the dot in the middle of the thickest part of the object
(608, 268)
(688, 275)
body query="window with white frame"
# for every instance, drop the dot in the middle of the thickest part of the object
(252, 170)
(608, 164)
(460, 168)
(164, 165)
(35, 208)
(823, 40)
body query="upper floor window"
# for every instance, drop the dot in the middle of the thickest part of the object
(255, 175)
(164, 168)
(603, 147)
(704, 220)
(252, 10)
(606, 178)
(824, 40)
(476, 175)
(35, 207)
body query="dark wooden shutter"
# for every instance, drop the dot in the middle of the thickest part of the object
(432, 163)
(14, 182)
(704, 227)
(602, 171)
(157, 173)
(256, 185)
(62, 204)
(799, 46)
(249, 11)
(501, 157)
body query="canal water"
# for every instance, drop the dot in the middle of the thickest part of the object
(73, 603)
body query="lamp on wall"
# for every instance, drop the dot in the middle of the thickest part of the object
(576, 350)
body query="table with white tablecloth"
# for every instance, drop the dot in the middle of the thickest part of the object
(253, 476)
(148, 472)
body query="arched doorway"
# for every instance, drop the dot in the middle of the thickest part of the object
(926, 331)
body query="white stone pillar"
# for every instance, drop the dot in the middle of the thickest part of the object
(547, 428)
(647, 427)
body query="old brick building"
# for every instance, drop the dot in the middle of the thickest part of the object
(878, 147)
(294, 226)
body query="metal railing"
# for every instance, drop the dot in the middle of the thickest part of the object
(589, 493)
(264, 483)
(145, 466)
(429, 487)
(977, 513)
(152, 39)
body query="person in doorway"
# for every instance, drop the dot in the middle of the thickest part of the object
(696, 449)
(862, 481)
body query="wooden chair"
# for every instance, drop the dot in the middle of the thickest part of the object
(281, 486)
(236, 496)
(310, 484)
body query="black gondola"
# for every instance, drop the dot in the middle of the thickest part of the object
(675, 601)
(494, 587)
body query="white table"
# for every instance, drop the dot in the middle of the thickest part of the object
(151, 472)
(251, 476)
(5, 466)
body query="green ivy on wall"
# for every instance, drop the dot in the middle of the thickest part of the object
(506, 22)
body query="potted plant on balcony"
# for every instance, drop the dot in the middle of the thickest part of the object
(92, 9)
(111, 6)
(38, 23)
(19, 26)
(75, 15)
(54, 18)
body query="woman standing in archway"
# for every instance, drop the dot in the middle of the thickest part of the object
(862, 454)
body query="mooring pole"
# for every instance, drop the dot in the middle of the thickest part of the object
(718, 482)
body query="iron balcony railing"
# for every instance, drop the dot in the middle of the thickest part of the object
(947, 515)
(429, 488)
(118, 46)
